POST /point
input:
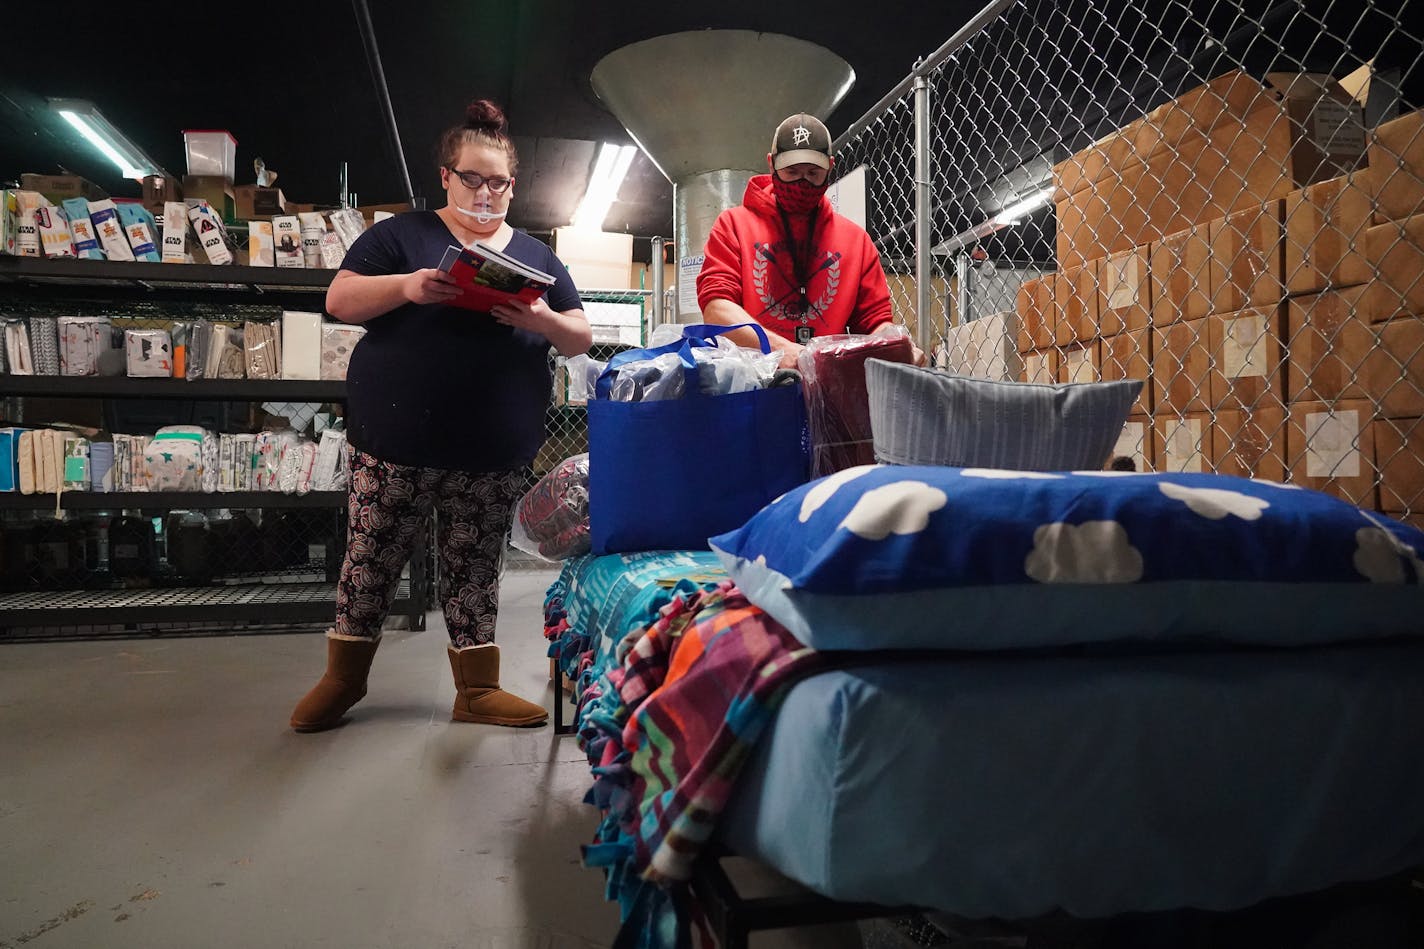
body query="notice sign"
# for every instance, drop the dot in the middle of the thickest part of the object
(687, 270)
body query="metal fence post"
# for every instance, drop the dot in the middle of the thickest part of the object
(924, 276)
(655, 268)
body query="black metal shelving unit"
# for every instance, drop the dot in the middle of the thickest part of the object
(267, 599)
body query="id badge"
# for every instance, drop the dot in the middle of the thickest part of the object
(804, 334)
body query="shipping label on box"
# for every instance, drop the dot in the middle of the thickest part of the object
(1248, 258)
(1080, 363)
(1126, 300)
(1248, 359)
(1396, 172)
(1181, 365)
(1134, 442)
(1181, 276)
(1330, 448)
(1250, 443)
(1325, 232)
(1041, 366)
(1180, 443)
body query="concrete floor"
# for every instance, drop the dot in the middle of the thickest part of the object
(151, 795)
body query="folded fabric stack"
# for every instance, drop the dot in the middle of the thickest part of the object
(81, 341)
(19, 360)
(44, 345)
(332, 457)
(181, 458)
(338, 340)
(126, 472)
(200, 339)
(235, 462)
(101, 463)
(262, 344)
(225, 359)
(837, 403)
(149, 353)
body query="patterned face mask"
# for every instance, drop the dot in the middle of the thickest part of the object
(797, 197)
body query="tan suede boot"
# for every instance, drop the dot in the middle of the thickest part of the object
(348, 661)
(478, 697)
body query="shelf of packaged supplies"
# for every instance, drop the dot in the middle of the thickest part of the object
(168, 500)
(109, 274)
(223, 390)
(258, 602)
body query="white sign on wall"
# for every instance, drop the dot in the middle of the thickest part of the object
(847, 195)
(687, 270)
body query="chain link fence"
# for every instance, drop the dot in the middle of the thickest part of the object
(1223, 200)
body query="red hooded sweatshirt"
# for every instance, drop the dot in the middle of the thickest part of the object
(751, 262)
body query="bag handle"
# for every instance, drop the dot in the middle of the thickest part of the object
(694, 336)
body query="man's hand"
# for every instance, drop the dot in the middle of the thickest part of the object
(429, 286)
(790, 353)
(918, 355)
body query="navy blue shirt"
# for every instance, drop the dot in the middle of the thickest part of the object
(440, 386)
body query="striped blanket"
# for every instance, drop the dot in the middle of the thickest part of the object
(667, 737)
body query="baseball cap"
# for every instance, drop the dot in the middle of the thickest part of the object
(801, 138)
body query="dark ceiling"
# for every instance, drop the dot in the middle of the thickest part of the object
(291, 82)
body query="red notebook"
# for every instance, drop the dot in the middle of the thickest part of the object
(488, 277)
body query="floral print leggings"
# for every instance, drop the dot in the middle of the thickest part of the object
(386, 507)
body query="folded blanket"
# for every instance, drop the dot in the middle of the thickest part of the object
(837, 402)
(671, 734)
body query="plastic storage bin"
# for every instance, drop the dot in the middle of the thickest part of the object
(210, 152)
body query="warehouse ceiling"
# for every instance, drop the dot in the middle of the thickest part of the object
(291, 82)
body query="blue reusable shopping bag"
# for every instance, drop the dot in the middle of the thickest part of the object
(667, 475)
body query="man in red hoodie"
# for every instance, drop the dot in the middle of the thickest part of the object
(786, 260)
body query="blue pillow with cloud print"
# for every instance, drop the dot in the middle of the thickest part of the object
(891, 557)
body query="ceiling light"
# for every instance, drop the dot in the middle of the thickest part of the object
(1016, 212)
(608, 174)
(110, 142)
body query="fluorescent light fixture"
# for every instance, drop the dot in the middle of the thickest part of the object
(1016, 212)
(111, 143)
(608, 174)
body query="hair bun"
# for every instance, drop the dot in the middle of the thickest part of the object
(484, 114)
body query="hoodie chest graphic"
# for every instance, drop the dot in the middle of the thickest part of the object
(776, 288)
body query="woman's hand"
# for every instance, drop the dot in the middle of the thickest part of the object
(429, 286)
(523, 315)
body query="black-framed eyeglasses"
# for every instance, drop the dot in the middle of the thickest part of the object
(473, 180)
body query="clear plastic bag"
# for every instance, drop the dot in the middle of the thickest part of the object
(648, 380)
(551, 520)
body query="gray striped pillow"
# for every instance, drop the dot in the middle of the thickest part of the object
(927, 417)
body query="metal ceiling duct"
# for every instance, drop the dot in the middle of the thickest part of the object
(702, 105)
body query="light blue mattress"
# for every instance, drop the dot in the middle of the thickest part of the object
(1012, 787)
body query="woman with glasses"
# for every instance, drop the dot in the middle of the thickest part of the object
(445, 410)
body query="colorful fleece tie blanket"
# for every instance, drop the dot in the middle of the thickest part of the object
(667, 738)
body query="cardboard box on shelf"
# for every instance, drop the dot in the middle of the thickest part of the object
(1395, 253)
(1129, 356)
(256, 203)
(1033, 302)
(158, 191)
(1328, 345)
(1248, 258)
(1080, 362)
(989, 343)
(1325, 235)
(1041, 366)
(1182, 442)
(1399, 456)
(1250, 443)
(596, 259)
(1181, 368)
(215, 190)
(1181, 276)
(1330, 447)
(1074, 312)
(1134, 442)
(1396, 172)
(60, 188)
(1248, 358)
(1109, 217)
(1125, 298)
(1394, 371)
